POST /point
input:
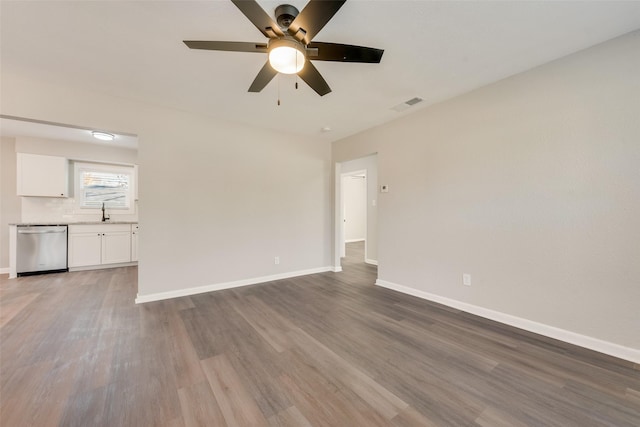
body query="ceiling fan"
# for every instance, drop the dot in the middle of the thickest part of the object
(290, 46)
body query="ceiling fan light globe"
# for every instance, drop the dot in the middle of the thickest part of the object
(286, 59)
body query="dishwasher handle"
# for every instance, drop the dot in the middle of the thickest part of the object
(31, 231)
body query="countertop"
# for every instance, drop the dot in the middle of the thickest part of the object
(29, 224)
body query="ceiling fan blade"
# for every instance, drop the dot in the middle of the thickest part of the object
(313, 18)
(228, 46)
(258, 17)
(312, 77)
(344, 53)
(266, 74)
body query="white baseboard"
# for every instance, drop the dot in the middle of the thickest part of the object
(227, 285)
(606, 347)
(336, 269)
(371, 261)
(4, 270)
(103, 266)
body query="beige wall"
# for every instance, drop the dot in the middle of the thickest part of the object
(531, 185)
(221, 201)
(218, 201)
(9, 202)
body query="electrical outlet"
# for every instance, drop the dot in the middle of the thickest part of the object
(466, 279)
(276, 260)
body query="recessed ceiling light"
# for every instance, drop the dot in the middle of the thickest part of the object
(103, 136)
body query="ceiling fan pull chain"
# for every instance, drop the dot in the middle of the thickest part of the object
(278, 89)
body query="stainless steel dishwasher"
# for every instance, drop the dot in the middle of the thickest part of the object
(41, 249)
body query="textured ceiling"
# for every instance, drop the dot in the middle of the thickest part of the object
(433, 50)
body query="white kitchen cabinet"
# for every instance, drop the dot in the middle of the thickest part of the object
(116, 247)
(85, 249)
(99, 244)
(42, 176)
(134, 242)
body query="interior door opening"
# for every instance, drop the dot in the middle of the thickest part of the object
(356, 212)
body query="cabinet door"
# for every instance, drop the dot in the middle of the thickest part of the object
(85, 249)
(134, 242)
(116, 247)
(44, 176)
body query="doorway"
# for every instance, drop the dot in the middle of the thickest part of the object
(356, 212)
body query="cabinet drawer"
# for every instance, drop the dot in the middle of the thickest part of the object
(98, 228)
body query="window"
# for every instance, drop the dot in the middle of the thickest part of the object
(98, 183)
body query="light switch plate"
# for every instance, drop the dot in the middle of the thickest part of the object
(466, 279)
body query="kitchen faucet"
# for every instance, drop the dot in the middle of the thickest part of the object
(104, 217)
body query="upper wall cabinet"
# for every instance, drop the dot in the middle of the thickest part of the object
(42, 176)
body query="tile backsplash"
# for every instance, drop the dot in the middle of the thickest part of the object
(61, 209)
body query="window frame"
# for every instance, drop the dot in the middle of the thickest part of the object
(80, 167)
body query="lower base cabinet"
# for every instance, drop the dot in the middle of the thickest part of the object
(93, 245)
(85, 249)
(116, 247)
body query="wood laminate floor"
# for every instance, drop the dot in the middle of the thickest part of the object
(328, 349)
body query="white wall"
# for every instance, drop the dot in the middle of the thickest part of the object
(531, 185)
(369, 164)
(10, 210)
(67, 209)
(223, 200)
(218, 201)
(355, 208)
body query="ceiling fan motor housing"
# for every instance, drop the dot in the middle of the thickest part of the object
(285, 14)
(287, 41)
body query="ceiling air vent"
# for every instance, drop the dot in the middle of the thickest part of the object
(407, 104)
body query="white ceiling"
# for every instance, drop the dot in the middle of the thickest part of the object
(433, 49)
